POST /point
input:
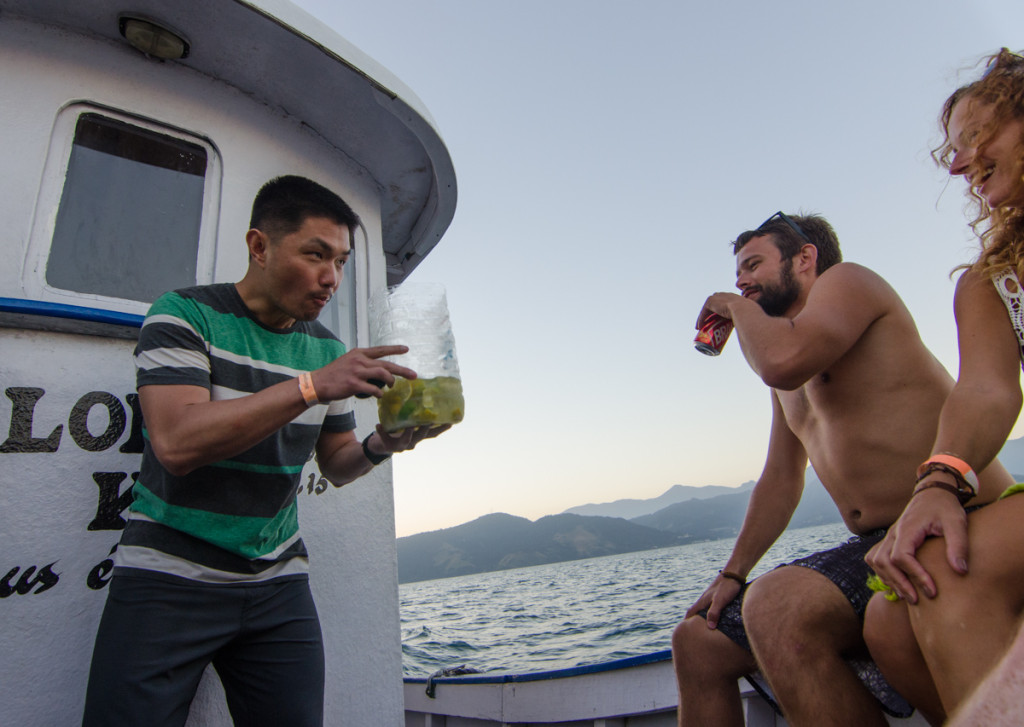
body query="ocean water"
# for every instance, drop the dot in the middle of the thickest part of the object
(570, 614)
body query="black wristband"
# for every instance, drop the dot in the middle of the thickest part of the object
(375, 459)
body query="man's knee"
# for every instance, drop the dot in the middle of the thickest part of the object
(689, 641)
(700, 653)
(768, 604)
(796, 605)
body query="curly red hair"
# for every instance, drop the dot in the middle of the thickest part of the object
(1000, 230)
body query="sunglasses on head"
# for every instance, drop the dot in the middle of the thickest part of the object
(795, 227)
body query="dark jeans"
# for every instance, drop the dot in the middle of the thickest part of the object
(157, 636)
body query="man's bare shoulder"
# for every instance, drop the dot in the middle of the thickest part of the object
(854, 274)
(854, 284)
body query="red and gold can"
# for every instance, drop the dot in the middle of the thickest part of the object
(713, 334)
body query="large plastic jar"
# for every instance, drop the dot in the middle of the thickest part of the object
(416, 315)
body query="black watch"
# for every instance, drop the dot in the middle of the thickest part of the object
(375, 459)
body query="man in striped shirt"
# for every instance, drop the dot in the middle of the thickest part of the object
(239, 384)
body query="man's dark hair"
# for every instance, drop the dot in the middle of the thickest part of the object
(789, 242)
(284, 203)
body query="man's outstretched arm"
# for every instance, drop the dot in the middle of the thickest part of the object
(772, 503)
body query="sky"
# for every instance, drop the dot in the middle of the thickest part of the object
(606, 155)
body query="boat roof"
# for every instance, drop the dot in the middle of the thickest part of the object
(277, 53)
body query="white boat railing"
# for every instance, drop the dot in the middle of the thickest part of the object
(634, 692)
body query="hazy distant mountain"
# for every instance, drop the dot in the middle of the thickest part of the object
(630, 509)
(680, 515)
(708, 519)
(722, 516)
(500, 542)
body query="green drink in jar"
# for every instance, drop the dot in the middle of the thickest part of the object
(421, 403)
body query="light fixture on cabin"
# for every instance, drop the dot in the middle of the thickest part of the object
(152, 38)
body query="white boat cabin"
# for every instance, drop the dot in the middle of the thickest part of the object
(135, 138)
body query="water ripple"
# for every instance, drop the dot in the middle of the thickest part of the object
(570, 614)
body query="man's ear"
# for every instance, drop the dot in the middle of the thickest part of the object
(258, 243)
(807, 259)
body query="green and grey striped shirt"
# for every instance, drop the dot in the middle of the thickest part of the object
(233, 520)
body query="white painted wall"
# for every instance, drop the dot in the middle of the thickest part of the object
(47, 500)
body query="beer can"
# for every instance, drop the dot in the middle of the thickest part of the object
(713, 334)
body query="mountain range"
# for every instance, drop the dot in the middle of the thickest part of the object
(677, 493)
(683, 514)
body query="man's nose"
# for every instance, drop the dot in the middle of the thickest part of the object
(331, 277)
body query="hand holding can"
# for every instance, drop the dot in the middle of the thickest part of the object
(713, 334)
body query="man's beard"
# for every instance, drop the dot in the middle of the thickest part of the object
(775, 300)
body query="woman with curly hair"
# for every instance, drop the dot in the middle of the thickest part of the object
(955, 577)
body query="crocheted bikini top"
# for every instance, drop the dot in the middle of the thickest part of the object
(1009, 290)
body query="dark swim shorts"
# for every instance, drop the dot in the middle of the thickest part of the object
(843, 565)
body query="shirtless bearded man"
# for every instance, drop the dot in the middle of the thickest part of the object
(855, 391)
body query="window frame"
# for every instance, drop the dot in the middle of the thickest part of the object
(51, 189)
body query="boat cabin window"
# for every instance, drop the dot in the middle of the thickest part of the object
(128, 224)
